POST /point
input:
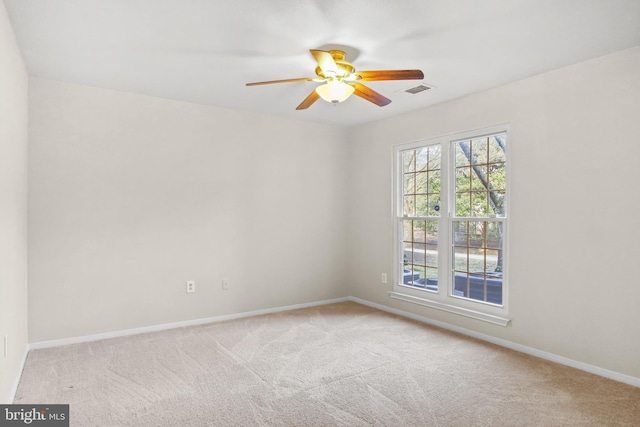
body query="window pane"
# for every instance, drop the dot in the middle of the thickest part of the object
(478, 260)
(420, 254)
(463, 150)
(431, 257)
(409, 206)
(408, 254)
(460, 236)
(463, 186)
(434, 193)
(419, 231)
(409, 161)
(434, 157)
(494, 235)
(475, 236)
(421, 182)
(463, 204)
(484, 180)
(497, 176)
(463, 179)
(422, 207)
(497, 148)
(433, 183)
(492, 259)
(431, 249)
(409, 183)
(419, 250)
(479, 204)
(461, 285)
(421, 159)
(479, 180)
(461, 259)
(497, 203)
(407, 230)
(434, 204)
(421, 185)
(479, 151)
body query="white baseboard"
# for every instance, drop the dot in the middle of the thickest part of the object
(16, 382)
(155, 328)
(627, 379)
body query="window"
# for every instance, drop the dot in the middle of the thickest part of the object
(421, 175)
(451, 221)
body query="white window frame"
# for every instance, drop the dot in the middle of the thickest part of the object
(442, 299)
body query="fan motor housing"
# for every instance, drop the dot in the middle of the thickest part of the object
(345, 68)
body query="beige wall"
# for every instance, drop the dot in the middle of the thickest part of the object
(13, 207)
(131, 196)
(575, 204)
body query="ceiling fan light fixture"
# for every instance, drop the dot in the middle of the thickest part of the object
(341, 80)
(335, 91)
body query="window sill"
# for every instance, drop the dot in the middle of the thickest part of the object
(478, 315)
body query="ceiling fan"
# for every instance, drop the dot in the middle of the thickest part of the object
(341, 80)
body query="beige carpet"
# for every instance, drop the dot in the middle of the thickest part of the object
(341, 364)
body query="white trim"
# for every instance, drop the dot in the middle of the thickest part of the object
(16, 382)
(606, 373)
(496, 320)
(478, 132)
(162, 327)
(616, 376)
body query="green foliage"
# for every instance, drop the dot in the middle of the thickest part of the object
(480, 178)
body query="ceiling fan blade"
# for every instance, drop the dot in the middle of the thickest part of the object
(325, 61)
(370, 95)
(370, 76)
(313, 97)
(302, 79)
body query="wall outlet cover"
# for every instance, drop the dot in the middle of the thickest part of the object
(191, 286)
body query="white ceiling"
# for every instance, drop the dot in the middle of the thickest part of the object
(204, 51)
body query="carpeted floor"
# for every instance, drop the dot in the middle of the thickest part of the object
(341, 364)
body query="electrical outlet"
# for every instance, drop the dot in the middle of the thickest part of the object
(225, 284)
(191, 286)
(5, 344)
(383, 278)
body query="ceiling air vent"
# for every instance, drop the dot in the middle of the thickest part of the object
(417, 89)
